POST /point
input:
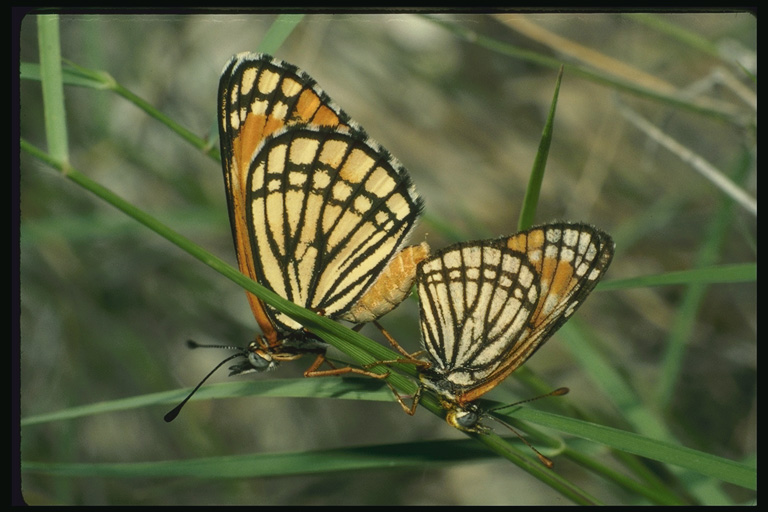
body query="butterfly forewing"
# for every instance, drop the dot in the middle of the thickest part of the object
(327, 210)
(487, 306)
(570, 259)
(259, 95)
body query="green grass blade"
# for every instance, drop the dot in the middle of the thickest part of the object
(279, 32)
(101, 80)
(716, 274)
(350, 388)
(528, 212)
(662, 451)
(253, 465)
(53, 90)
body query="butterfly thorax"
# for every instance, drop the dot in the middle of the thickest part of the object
(443, 381)
(302, 341)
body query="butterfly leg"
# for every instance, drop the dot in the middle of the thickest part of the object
(314, 371)
(408, 358)
(409, 410)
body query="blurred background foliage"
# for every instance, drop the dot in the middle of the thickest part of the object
(461, 100)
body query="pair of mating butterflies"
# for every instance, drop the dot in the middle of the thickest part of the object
(320, 214)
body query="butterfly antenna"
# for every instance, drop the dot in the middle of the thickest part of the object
(193, 344)
(544, 460)
(557, 392)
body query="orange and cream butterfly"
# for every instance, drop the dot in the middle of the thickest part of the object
(319, 211)
(487, 306)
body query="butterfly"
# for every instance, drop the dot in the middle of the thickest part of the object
(319, 211)
(487, 306)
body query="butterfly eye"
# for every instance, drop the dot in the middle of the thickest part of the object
(261, 361)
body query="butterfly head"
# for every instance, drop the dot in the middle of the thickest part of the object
(465, 418)
(259, 358)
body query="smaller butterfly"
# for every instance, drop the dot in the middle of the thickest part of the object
(487, 306)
